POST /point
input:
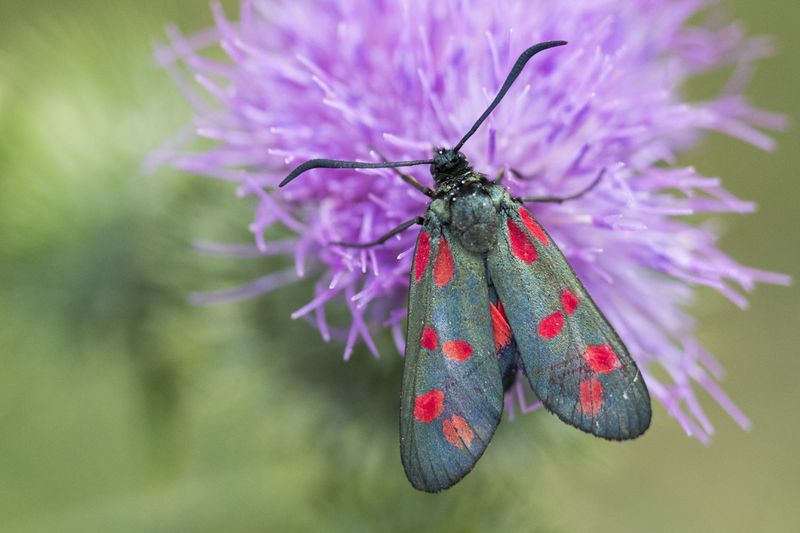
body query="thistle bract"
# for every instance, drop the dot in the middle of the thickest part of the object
(367, 80)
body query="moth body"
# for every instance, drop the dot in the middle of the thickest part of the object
(492, 297)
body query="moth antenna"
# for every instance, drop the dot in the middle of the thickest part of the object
(333, 163)
(512, 76)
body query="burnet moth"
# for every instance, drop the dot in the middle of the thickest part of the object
(492, 293)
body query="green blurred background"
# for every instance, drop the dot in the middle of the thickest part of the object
(123, 408)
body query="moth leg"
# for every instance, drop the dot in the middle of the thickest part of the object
(520, 176)
(561, 199)
(500, 176)
(399, 229)
(408, 179)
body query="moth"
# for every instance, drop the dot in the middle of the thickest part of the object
(491, 293)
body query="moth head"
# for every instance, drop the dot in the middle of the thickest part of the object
(447, 162)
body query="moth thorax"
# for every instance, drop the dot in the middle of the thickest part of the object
(474, 219)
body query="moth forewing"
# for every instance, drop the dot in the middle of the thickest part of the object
(574, 360)
(452, 395)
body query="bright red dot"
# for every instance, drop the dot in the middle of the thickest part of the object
(443, 266)
(457, 350)
(422, 255)
(521, 244)
(551, 326)
(429, 338)
(457, 432)
(429, 406)
(535, 229)
(500, 327)
(569, 301)
(591, 395)
(601, 358)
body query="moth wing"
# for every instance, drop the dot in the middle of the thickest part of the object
(574, 360)
(452, 394)
(504, 343)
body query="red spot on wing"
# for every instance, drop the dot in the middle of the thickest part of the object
(422, 255)
(457, 350)
(429, 406)
(429, 338)
(551, 326)
(500, 327)
(591, 395)
(569, 301)
(443, 266)
(457, 432)
(535, 229)
(601, 358)
(521, 244)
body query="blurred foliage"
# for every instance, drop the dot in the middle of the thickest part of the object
(123, 408)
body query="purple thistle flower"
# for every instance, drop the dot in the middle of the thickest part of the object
(349, 80)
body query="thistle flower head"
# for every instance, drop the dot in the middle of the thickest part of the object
(362, 81)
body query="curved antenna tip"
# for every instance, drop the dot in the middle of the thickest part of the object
(512, 76)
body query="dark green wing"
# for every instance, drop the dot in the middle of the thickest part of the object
(452, 395)
(573, 358)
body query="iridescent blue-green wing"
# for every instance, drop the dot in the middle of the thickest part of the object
(574, 360)
(452, 395)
